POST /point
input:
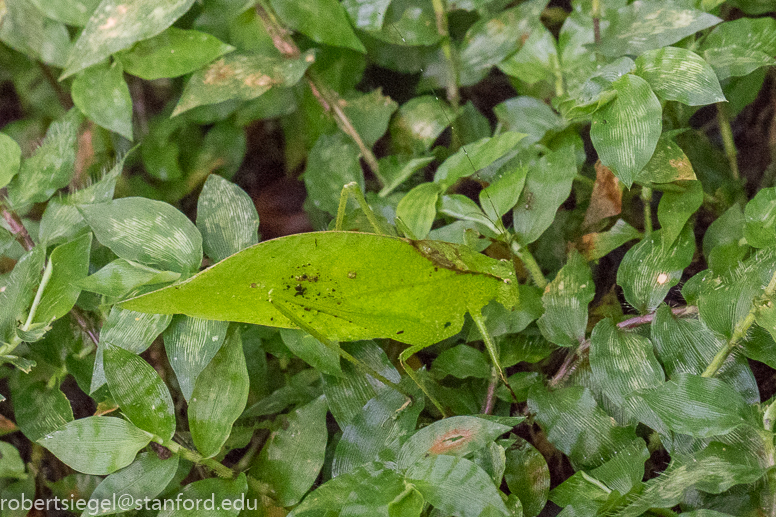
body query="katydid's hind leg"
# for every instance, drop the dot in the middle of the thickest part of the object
(406, 354)
(352, 189)
(490, 345)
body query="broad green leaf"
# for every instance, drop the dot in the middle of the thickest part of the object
(323, 21)
(417, 209)
(190, 344)
(677, 206)
(332, 163)
(419, 122)
(724, 231)
(547, 186)
(101, 94)
(370, 114)
(27, 30)
(528, 115)
(593, 246)
(476, 156)
(489, 41)
(96, 445)
(640, 27)
(303, 438)
(367, 490)
(226, 218)
(242, 76)
(740, 46)
(625, 131)
(527, 476)
(736, 61)
(18, 291)
(376, 432)
(129, 330)
(146, 231)
(318, 355)
(231, 490)
(683, 345)
(71, 12)
(565, 303)
(116, 25)
(39, 410)
(416, 291)
(367, 15)
(139, 391)
(537, 59)
(456, 485)
(454, 436)
(10, 159)
(653, 266)
(69, 263)
(120, 277)
(219, 396)
(577, 426)
(697, 406)
(668, 164)
(50, 167)
(676, 74)
(172, 53)
(622, 361)
(147, 476)
(461, 361)
(408, 23)
(396, 170)
(760, 217)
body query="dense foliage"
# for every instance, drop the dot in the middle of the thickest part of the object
(551, 274)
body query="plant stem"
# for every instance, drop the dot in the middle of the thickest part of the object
(38, 295)
(725, 130)
(646, 199)
(453, 94)
(595, 12)
(530, 264)
(221, 471)
(490, 396)
(740, 330)
(17, 228)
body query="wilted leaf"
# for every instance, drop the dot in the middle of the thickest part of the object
(668, 164)
(606, 199)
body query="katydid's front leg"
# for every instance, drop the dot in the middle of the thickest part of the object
(491, 347)
(406, 354)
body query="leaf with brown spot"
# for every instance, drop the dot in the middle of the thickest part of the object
(606, 200)
(593, 246)
(668, 164)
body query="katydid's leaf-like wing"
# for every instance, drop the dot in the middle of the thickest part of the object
(351, 285)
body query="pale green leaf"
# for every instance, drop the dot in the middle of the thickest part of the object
(69, 263)
(537, 59)
(464, 209)
(71, 12)
(417, 209)
(96, 445)
(27, 30)
(232, 490)
(370, 114)
(18, 291)
(10, 159)
(39, 409)
(736, 61)
(565, 303)
(419, 122)
(502, 194)
(120, 277)
(396, 170)
(528, 115)
(677, 74)
(593, 246)
(101, 94)
(367, 15)
(760, 219)
(668, 164)
(474, 157)
(190, 344)
(676, 207)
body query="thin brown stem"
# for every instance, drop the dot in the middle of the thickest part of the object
(490, 396)
(17, 228)
(64, 98)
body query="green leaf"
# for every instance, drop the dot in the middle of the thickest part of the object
(622, 361)
(475, 157)
(146, 231)
(736, 61)
(303, 438)
(640, 27)
(11, 464)
(419, 294)
(528, 115)
(370, 114)
(463, 208)
(454, 436)
(677, 206)
(626, 469)
(323, 21)
(40, 410)
(27, 30)
(96, 445)
(461, 361)
(565, 303)
(69, 263)
(324, 359)
(367, 15)
(760, 217)
(147, 476)
(223, 489)
(50, 167)
(456, 485)
(527, 476)
(417, 209)
(419, 122)
(226, 218)
(738, 47)
(537, 59)
(625, 131)
(219, 396)
(332, 163)
(668, 164)
(71, 12)
(676, 74)
(172, 53)
(139, 391)
(10, 159)
(101, 94)
(120, 277)
(577, 426)
(397, 169)
(503, 193)
(683, 345)
(593, 246)
(697, 406)
(547, 186)
(375, 432)
(116, 25)
(17, 293)
(242, 76)
(190, 344)
(653, 266)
